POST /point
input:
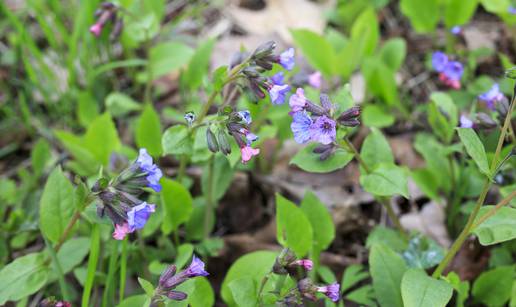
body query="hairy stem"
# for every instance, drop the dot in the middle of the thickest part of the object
(67, 230)
(493, 211)
(208, 212)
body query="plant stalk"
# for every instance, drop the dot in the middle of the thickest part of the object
(208, 212)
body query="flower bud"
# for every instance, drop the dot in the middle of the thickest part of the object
(264, 50)
(325, 102)
(502, 108)
(282, 261)
(222, 137)
(176, 295)
(167, 274)
(511, 73)
(349, 117)
(485, 121)
(213, 145)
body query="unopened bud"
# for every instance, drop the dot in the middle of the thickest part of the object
(176, 295)
(485, 121)
(213, 145)
(511, 73)
(222, 137)
(264, 50)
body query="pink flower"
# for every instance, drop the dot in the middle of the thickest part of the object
(307, 264)
(315, 79)
(121, 231)
(96, 29)
(248, 152)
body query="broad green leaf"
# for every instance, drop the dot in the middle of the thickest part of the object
(308, 161)
(393, 53)
(426, 181)
(184, 254)
(176, 141)
(56, 206)
(497, 228)
(462, 288)
(435, 157)
(420, 290)
(387, 269)
(168, 57)
(386, 180)
(74, 145)
(496, 6)
(133, 301)
(23, 277)
(177, 203)
(320, 219)
(222, 177)
(322, 58)
(388, 237)
(293, 227)
(380, 80)
(459, 12)
(198, 66)
(493, 288)
(119, 104)
(353, 274)
(202, 294)
(364, 296)
(87, 108)
(475, 149)
(244, 291)
(423, 15)
(70, 255)
(253, 265)
(365, 28)
(442, 115)
(376, 149)
(39, 156)
(423, 253)
(147, 286)
(148, 131)
(376, 116)
(101, 138)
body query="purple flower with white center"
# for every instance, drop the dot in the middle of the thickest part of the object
(439, 61)
(301, 125)
(492, 96)
(138, 215)
(465, 122)
(286, 59)
(456, 30)
(278, 92)
(154, 174)
(332, 291)
(196, 268)
(246, 116)
(315, 80)
(323, 130)
(453, 70)
(278, 78)
(297, 101)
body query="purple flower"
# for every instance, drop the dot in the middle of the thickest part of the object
(278, 78)
(138, 215)
(278, 92)
(286, 59)
(323, 130)
(315, 79)
(297, 101)
(332, 291)
(154, 174)
(512, 10)
(492, 96)
(196, 268)
(301, 124)
(456, 30)
(246, 116)
(439, 61)
(465, 122)
(250, 137)
(453, 70)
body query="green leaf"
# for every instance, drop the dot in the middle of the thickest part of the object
(423, 15)
(133, 301)
(39, 156)
(253, 265)
(387, 269)
(496, 6)
(320, 219)
(176, 141)
(497, 228)
(386, 180)
(442, 116)
(459, 12)
(74, 145)
(426, 181)
(184, 254)
(380, 80)
(364, 296)
(148, 131)
(222, 177)
(423, 253)
(388, 237)
(119, 104)
(310, 162)
(244, 291)
(147, 286)
(87, 108)
(23, 277)
(293, 227)
(202, 294)
(420, 290)
(393, 53)
(71, 254)
(56, 206)
(168, 57)
(376, 116)
(493, 288)
(475, 149)
(101, 138)
(462, 288)
(198, 66)
(177, 203)
(323, 57)
(376, 149)
(353, 274)
(365, 28)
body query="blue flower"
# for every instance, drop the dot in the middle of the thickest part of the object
(301, 124)
(286, 59)
(465, 122)
(323, 130)
(278, 92)
(278, 78)
(492, 96)
(456, 30)
(196, 268)
(138, 215)
(454, 70)
(332, 291)
(439, 61)
(246, 116)
(154, 174)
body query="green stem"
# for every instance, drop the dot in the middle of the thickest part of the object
(123, 270)
(265, 279)
(59, 271)
(493, 211)
(208, 212)
(92, 265)
(67, 230)
(471, 219)
(108, 296)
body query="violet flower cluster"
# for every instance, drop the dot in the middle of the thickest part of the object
(287, 264)
(105, 14)
(169, 280)
(318, 123)
(496, 104)
(119, 198)
(450, 72)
